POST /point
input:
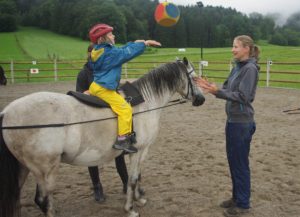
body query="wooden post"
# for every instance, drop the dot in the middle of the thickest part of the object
(12, 74)
(269, 63)
(126, 73)
(55, 70)
(200, 68)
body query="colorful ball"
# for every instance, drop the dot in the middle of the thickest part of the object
(167, 14)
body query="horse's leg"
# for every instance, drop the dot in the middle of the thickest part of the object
(97, 186)
(141, 191)
(22, 178)
(41, 201)
(23, 175)
(122, 171)
(45, 176)
(133, 185)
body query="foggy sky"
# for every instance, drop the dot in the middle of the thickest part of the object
(284, 7)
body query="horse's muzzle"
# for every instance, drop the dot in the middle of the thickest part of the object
(198, 100)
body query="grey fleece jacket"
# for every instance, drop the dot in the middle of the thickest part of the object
(239, 91)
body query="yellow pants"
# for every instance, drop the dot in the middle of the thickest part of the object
(118, 104)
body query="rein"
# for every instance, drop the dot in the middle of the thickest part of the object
(292, 111)
(190, 86)
(176, 102)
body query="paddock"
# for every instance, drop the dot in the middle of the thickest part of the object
(186, 172)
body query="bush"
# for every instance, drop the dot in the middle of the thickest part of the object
(278, 39)
(8, 23)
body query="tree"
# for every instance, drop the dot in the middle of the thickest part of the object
(180, 36)
(293, 22)
(292, 37)
(279, 39)
(135, 28)
(8, 16)
(132, 19)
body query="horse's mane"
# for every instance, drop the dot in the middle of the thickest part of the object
(161, 78)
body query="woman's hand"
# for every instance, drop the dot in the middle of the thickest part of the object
(206, 85)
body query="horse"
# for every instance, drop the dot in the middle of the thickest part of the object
(41, 130)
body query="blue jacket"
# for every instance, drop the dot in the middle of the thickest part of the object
(107, 62)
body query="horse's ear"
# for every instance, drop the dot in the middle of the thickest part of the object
(177, 58)
(185, 61)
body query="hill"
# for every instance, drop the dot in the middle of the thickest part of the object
(31, 43)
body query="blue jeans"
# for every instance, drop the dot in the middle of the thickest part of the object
(238, 139)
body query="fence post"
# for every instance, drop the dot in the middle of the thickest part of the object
(55, 70)
(269, 63)
(12, 74)
(126, 73)
(200, 68)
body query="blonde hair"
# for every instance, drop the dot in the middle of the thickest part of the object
(248, 41)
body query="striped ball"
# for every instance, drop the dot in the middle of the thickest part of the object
(167, 14)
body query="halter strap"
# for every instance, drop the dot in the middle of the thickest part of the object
(81, 122)
(190, 86)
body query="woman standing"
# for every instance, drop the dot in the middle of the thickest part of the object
(239, 91)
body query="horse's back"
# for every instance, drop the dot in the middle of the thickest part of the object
(49, 108)
(76, 141)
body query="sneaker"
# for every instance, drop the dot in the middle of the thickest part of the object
(125, 144)
(132, 137)
(228, 203)
(235, 211)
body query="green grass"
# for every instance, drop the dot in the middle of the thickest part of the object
(42, 44)
(10, 49)
(30, 43)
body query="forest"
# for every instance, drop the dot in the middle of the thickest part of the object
(204, 26)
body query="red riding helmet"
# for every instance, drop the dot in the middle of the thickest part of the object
(99, 30)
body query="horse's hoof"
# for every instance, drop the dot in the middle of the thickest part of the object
(100, 198)
(133, 214)
(141, 191)
(124, 189)
(141, 202)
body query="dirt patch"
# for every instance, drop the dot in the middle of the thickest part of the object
(186, 172)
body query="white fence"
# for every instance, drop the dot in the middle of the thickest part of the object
(276, 73)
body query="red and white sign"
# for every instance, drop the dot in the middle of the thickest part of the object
(34, 71)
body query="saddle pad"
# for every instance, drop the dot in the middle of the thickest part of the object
(88, 99)
(132, 94)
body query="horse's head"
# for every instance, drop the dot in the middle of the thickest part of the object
(190, 90)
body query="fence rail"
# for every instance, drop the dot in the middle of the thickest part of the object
(271, 73)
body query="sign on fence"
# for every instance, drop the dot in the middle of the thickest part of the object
(34, 71)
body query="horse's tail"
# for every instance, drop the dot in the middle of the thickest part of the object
(9, 179)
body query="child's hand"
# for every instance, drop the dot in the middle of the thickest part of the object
(152, 43)
(149, 42)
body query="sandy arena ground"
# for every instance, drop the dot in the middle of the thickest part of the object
(186, 172)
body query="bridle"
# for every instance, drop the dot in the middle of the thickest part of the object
(190, 85)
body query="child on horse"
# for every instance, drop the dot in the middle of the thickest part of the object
(107, 60)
